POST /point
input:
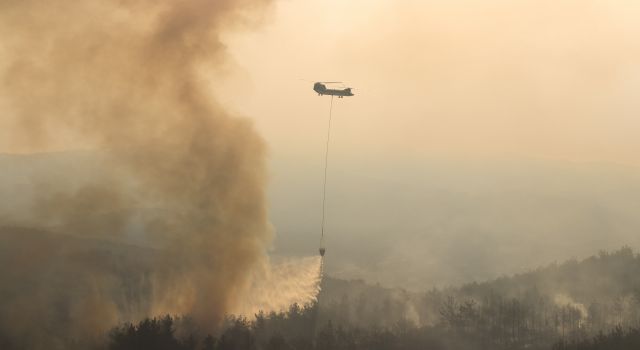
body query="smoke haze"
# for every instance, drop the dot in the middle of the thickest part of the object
(486, 138)
(482, 132)
(169, 169)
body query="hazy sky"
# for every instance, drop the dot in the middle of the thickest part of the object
(443, 89)
(492, 78)
(549, 79)
(463, 80)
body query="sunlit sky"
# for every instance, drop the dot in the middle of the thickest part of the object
(465, 78)
(480, 129)
(536, 79)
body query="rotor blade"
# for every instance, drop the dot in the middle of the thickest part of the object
(330, 82)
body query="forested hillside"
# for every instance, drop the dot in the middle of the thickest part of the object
(595, 305)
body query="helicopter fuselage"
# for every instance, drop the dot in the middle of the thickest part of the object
(321, 89)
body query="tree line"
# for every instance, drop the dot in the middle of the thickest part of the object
(573, 305)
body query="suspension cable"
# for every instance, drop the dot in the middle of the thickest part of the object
(326, 162)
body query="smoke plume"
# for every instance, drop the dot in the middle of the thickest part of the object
(171, 171)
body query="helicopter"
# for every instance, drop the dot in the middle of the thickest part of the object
(321, 89)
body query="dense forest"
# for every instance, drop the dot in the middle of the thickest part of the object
(297, 329)
(588, 304)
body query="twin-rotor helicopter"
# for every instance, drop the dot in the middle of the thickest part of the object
(321, 88)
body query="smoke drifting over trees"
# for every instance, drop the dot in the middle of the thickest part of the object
(136, 216)
(171, 169)
(553, 307)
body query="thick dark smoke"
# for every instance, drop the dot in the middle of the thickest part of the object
(174, 170)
